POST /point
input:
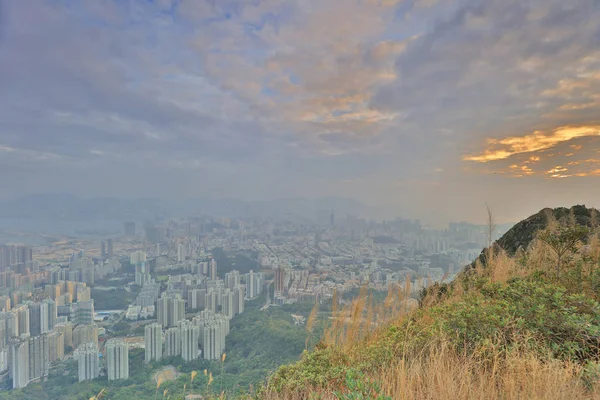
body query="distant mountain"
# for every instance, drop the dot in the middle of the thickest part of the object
(71, 207)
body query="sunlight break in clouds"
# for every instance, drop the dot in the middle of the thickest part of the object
(500, 149)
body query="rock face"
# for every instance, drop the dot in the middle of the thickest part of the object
(523, 233)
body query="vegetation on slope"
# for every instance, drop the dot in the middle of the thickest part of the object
(511, 327)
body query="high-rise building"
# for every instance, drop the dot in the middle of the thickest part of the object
(47, 315)
(66, 328)
(180, 253)
(53, 291)
(23, 318)
(83, 293)
(214, 328)
(117, 359)
(189, 340)
(4, 359)
(254, 284)
(153, 342)
(85, 334)
(56, 345)
(19, 363)
(280, 273)
(88, 361)
(137, 257)
(39, 354)
(11, 322)
(170, 309)
(238, 299)
(196, 299)
(232, 279)
(103, 249)
(3, 338)
(210, 300)
(213, 270)
(4, 303)
(84, 312)
(110, 251)
(156, 234)
(172, 342)
(227, 305)
(129, 228)
(35, 319)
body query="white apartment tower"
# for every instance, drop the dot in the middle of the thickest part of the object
(88, 361)
(213, 270)
(170, 310)
(153, 342)
(189, 340)
(117, 359)
(227, 305)
(172, 342)
(232, 279)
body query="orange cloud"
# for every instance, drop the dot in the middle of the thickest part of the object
(500, 149)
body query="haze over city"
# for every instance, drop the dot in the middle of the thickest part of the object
(430, 107)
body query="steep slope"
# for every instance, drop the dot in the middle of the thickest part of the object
(511, 330)
(524, 232)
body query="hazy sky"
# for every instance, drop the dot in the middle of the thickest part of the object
(433, 106)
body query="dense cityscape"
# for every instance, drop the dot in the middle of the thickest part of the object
(183, 299)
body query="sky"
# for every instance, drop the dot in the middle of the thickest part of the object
(435, 107)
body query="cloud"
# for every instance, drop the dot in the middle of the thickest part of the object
(500, 149)
(272, 98)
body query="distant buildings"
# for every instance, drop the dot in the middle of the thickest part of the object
(56, 346)
(213, 270)
(227, 306)
(142, 274)
(48, 315)
(129, 228)
(107, 249)
(85, 334)
(172, 342)
(35, 327)
(189, 334)
(117, 359)
(82, 312)
(66, 328)
(28, 359)
(280, 278)
(254, 283)
(232, 279)
(88, 361)
(196, 299)
(16, 257)
(238, 299)
(153, 342)
(137, 257)
(19, 363)
(170, 309)
(214, 328)
(156, 234)
(180, 253)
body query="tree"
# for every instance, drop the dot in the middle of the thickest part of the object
(562, 239)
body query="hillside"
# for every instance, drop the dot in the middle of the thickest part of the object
(520, 326)
(523, 233)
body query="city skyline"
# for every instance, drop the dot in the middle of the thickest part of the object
(434, 108)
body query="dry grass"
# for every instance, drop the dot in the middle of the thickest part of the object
(442, 374)
(360, 319)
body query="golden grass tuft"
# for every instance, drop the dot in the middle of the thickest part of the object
(440, 373)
